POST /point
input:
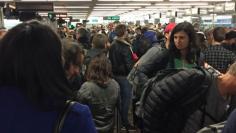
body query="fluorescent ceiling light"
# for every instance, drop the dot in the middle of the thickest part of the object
(68, 0)
(131, 0)
(76, 13)
(53, 0)
(167, 7)
(102, 14)
(125, 4)
(157, 10)
(180, 4)
(209, 6)
(203, 0)
(67, 11)
(144, 9)
(106, 11)
(115, 7)
(70, 7)
(112, 9)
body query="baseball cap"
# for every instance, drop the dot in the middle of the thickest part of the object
(169, 27)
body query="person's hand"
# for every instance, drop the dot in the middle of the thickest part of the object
(206, 65)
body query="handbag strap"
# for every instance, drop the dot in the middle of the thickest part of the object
(62, 116)
(131, 49)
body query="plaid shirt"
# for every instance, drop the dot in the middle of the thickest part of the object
(219, 57)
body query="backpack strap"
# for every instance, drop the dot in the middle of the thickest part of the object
(207, 82)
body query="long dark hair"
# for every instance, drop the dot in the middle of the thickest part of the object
(31, 60)
(99, 70)
(193, 50)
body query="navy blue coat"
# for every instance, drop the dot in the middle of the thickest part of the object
(18, 115)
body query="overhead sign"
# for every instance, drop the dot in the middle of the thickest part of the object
(156, 21)
(34, 6)
(111, 18)
(94, 20)
(75, 20)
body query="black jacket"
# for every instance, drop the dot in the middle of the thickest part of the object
(120, 56)
(156, 58)
(173, 99)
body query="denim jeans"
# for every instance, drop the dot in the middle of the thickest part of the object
(126, 96)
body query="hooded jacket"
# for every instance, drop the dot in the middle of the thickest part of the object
(120, 56)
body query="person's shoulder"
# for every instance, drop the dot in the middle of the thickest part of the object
(113, 82)
(215, 48)
(88, 84)
(156, 48)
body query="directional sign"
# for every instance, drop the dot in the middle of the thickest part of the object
(111, 18)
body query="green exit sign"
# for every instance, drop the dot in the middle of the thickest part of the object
(111, 18)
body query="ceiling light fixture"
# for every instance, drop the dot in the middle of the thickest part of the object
(112, 9)
(180, 4)
(131, 0)
(70, 11)
(69, 0)
(71, 7)
(115, 7)
(125, 4)
(77, 13)
(167, 7)
(209, 6)
(203, 0)
(50, 0)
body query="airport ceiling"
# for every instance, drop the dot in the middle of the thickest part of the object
(101, 8)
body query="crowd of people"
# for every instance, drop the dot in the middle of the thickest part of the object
(108, 68)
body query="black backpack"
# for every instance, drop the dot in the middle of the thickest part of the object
(187, 101)
(148, 87)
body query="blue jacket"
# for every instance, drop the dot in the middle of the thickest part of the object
(18, 115)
